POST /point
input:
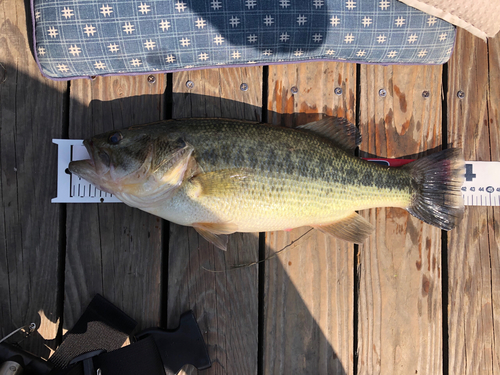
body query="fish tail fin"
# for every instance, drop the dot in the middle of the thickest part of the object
(438, 180)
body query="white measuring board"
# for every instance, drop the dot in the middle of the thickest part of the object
(71, 188)
(481, 186)
(482, 183)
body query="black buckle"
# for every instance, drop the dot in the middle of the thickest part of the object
(87, 362)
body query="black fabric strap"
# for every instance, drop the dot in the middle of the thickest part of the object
(94, 345)
(101, 327)
(139, 358)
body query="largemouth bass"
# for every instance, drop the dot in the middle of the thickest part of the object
(224, 176)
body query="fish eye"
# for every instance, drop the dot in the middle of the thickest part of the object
(115, 138)
(181, 143)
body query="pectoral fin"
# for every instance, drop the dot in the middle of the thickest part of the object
(216, 233)
(353, 228)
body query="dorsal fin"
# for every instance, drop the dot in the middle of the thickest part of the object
(340, 131)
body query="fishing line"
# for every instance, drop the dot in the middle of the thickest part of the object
(273, 255)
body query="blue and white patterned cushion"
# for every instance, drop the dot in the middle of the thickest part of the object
(76, 38)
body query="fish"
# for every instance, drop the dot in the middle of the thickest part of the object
(222, 176)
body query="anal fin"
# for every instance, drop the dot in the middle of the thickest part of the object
(216, 233)
(353, 228)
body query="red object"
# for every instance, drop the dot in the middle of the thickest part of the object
(390, 162)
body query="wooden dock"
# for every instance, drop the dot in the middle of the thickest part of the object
(411, 300)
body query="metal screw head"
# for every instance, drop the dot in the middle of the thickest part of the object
(189, 84)
(243, 87)
(382, 93)
(461, 94)
(426, 94)
(294, 90)
(151, 79)
(338, 91)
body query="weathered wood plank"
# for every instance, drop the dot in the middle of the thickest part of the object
(113, 249)
(225, 303)
(494, 213)
(308, 302)
(308, 311)
(473, 256)
(400, 320)
(315, 97)
(31, 114)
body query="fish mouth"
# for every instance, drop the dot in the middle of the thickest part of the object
(77, 165)
(93, 169)
(99, 158)
(84, 169)
(89, 145)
